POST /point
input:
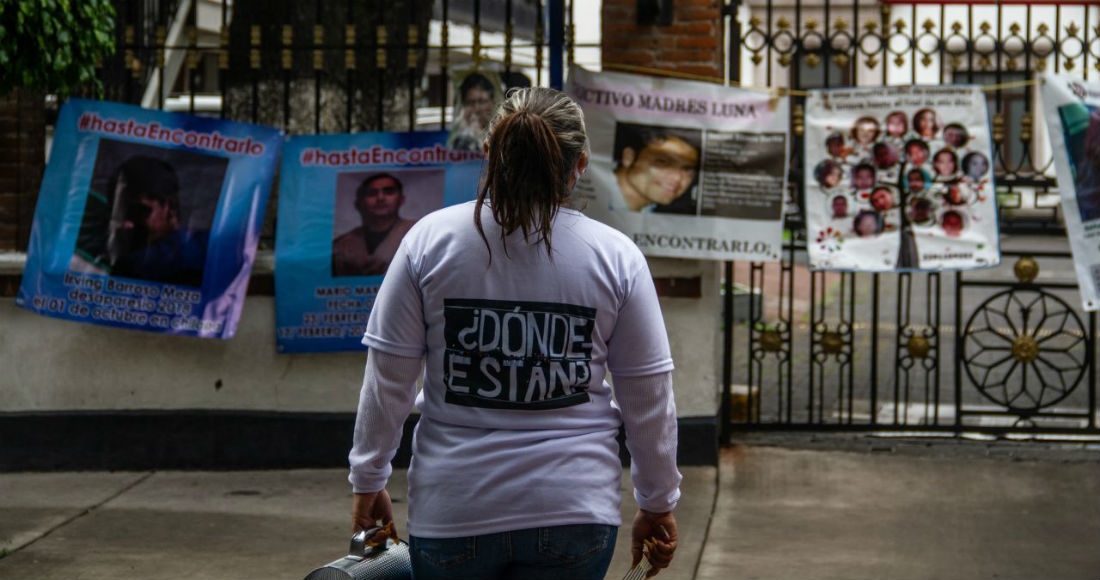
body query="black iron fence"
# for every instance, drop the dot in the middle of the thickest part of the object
(999, 351)
(325, 67)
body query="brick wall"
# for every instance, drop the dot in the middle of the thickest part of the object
(22, 161)
(692, 44)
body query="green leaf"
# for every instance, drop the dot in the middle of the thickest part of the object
(53, 44)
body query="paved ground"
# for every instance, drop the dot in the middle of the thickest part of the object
(773, 509)
(806, 513)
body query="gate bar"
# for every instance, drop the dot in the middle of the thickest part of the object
(557, 41)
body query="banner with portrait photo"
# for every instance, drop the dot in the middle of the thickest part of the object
(900, 179)
(686, 169)
(345, 203)
(1071, 108)
(148, 220)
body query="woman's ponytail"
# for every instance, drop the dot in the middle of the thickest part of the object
(535, 140)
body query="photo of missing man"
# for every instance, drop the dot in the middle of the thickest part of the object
(839, 205)
(921, 210)
(916, 152)
(372, 213)
(883, 199)
(477, 94)
(148, 213)
(916, 180)
(657, 167)
(863, 177)
(1081, 126)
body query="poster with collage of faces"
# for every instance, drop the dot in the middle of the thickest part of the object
(900, 178)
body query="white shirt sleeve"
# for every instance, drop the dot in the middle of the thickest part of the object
(389, 390)
(640, 361)
(638, 345)
(396, 343)
(649, 417)
(396, 323)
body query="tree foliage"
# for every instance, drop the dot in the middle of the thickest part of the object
(53, 45)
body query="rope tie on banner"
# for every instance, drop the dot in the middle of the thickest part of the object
(779, 91)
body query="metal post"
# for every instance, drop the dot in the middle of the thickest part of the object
(557, 42)
(724, 410)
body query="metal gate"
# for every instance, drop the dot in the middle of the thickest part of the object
(321, 67)
(999, 351)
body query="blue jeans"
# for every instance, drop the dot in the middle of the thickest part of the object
(577, 551)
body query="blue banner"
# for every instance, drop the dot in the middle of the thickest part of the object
(148, 220)
(345, 203)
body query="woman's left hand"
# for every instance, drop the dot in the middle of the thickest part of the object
(370, 509)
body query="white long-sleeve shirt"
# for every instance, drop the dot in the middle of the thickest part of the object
(517, 425)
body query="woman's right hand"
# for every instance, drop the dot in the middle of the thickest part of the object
(659, 527)
(371, 509)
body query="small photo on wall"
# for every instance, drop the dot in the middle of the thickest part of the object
(478, 93)
(373, 212)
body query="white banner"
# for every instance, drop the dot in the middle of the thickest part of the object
(686, 169)
(1072, 110)
(900, 178)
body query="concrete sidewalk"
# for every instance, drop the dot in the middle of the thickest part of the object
(767, 512)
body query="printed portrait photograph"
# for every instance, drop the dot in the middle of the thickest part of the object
(955, 194)
(829, 173)
(149, 213)
(921, 210)
(1081, 126)
(865, 131)
(863, 176)
(953, 223)
(897, 124)
(926, 124)
(883, 198)
(916, 152)
(917, 180)
(885, 155)
(837, 146)
(956, 136)
(867, 224)
(946, 164)
(975, 165)
(839, 206)
(373, 211)
(476, 95)
(657, 168)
